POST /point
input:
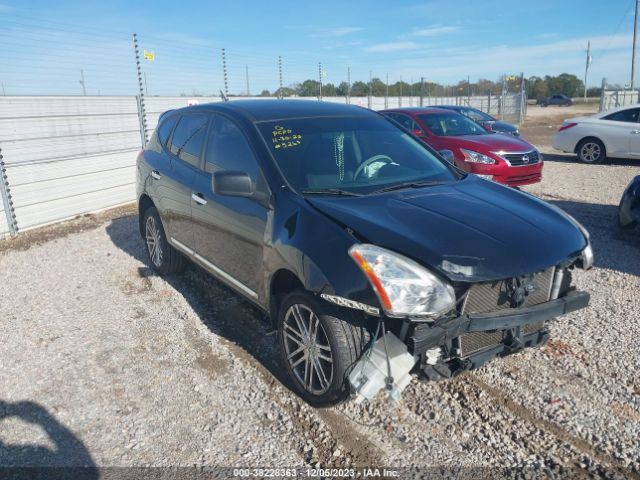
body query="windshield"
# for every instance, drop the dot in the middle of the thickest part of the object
(478, 116)
(350, 155)
(451, 125)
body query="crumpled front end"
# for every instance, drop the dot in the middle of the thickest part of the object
(494, 319)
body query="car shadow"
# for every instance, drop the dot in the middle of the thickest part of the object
(68, 459)
(221, 310)
(612, 246)
(572, 158)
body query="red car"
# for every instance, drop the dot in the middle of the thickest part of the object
(503, 158)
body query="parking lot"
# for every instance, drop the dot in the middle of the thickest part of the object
(104, 363)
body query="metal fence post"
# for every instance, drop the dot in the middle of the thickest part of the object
(141, 110)
(602, 93)
(7, 202)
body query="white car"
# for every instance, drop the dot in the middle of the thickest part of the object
(615, 133)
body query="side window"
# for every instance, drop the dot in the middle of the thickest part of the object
(228, 149)
(629, 115)
(165, 129)
(188, 138)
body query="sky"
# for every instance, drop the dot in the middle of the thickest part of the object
(45, 44)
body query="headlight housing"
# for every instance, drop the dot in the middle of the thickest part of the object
(587, 253)
(404, 287)
(476, 157)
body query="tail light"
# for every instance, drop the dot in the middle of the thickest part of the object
(566, 126)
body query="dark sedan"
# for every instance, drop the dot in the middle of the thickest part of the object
(629, 209)
(490, 123)
(357, 240)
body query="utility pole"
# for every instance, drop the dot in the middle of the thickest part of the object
(400, 97)
(146, 90)
(348, 84)
(633, 54)
(224, 73)
(84, 89)
(468, 90)
(386, 94)
(246, 72)
(320, 78)
(280, 74)
(369, 99)
(411, 93)
(3, 92)
(421, 91)
(586, 69)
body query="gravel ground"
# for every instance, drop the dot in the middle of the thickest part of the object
(106, 364)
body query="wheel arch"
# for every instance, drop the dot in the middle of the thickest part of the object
(283, 282)
(144, 203)
(590, 137)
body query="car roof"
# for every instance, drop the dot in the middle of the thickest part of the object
(418, 110)
(614, 110)
(274, 109)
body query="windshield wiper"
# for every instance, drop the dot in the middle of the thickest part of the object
(400, 186)
(331, 191)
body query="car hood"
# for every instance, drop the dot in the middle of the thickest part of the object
(493, 143)
(471, 230)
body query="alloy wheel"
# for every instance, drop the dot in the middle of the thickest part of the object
(307, 349)
(590, 152)
(152, 235)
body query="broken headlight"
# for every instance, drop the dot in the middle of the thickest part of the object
(404, 287)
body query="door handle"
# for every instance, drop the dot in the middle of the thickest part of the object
(198, 198)
(156, 174)
(635, 132)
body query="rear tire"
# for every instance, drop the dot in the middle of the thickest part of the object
(163, 257)
(318, 348)
(591, 151)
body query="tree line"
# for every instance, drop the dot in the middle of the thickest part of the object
(536, 87)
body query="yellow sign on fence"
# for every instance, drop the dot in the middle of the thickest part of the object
(149, 56)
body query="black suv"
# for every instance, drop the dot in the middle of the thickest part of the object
(341, 226)
(556, 99)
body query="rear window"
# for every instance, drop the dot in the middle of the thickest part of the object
(188, 138)
(165, 129)
(630, 115)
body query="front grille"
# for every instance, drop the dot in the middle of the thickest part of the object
(494, 296)
(475, 342)
(497, 296)
(522, 159)
(532, 327)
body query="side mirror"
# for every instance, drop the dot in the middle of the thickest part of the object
(232, 184)
(447, 155)
(418, 132)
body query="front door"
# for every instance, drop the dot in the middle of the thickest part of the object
(230, 231)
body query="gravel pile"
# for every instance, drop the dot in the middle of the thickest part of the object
(105, 363)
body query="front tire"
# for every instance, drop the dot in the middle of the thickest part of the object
(625, 223)
(591, 151)
(318, 348)
(163, 257)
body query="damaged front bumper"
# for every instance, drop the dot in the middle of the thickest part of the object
(510, 325)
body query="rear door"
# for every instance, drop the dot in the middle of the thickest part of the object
(185, 153)
(622, 132)
(230, 231)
